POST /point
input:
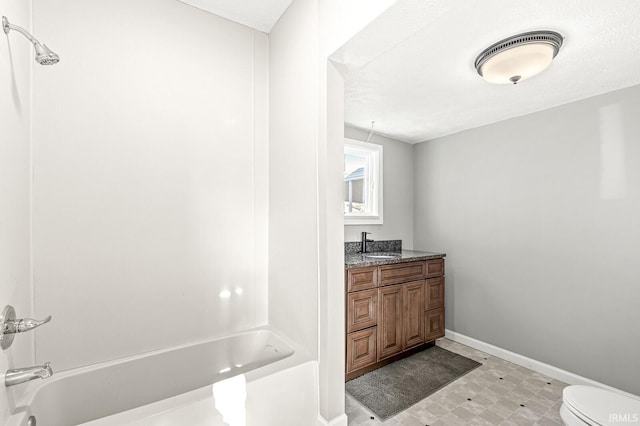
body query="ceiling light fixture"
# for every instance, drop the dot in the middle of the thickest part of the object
(519, 57)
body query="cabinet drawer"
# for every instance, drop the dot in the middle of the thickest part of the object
(361, 349)
(435, 268)
(362, 309)
(362, 278)
(434, 293)
(434, 324)
(400, 272)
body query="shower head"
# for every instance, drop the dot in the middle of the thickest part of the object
(44, 56)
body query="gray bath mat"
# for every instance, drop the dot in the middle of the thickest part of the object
(397, 386)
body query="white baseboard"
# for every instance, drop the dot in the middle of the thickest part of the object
(531, 364)
(340, 420)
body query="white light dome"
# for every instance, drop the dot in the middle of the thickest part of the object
(518, 58)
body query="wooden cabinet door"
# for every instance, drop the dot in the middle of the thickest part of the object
(361, 309)
(361, 349)
(434, 293)
(434, 324)
(413, 318)
(390, 309)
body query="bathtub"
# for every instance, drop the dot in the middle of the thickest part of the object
(187, 385)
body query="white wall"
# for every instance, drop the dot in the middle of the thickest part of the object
(339, 21)
(306, 288)
(331, 242)
(16, 58)
(150, 178)
(538, 216)
(293, 204)
(397, 191)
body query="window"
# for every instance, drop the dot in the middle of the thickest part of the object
(362, 183)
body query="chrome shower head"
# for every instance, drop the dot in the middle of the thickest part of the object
(44, 55)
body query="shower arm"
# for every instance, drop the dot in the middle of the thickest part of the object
(44, 55)
(6, 26)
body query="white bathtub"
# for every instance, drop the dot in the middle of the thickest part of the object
(174, 387)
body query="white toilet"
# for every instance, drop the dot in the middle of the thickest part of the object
(588, 405)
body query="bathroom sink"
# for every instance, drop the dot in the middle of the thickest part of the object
(382, 256)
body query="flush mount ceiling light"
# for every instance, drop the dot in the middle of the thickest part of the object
(519, 57)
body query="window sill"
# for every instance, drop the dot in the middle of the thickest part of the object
(362, 220)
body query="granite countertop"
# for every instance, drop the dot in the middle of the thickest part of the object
(357, 260)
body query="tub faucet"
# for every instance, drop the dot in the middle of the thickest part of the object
(363, 243)
(21, 375)
(10, 325)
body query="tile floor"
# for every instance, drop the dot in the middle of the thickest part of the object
(496, 393)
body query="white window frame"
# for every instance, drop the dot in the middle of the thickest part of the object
(375, 201)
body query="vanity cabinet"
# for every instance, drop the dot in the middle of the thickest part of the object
(390, 310)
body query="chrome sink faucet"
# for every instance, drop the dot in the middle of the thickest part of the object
(22, 375)
(363, 247)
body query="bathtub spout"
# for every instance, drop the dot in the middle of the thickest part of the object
(21, 375)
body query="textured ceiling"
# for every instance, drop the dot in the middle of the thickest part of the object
(259, 14)
(411, 70)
